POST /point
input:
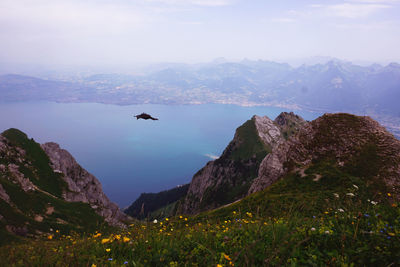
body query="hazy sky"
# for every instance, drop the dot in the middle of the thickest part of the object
(144, 31)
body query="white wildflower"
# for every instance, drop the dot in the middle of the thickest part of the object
(155, 221)
(356, 187)
(336, 195)
(374, 202)
(312, 229)
(327, 232)
(350, 194)
(341, 210)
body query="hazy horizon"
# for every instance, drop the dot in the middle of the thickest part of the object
(55, 70)
(140, 32)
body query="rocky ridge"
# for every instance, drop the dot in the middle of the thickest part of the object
(355, 144)
(42, 191)
(82, 186)
(228, 178)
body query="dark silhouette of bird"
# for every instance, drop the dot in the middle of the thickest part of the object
(145, 116)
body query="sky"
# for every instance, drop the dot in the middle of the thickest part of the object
(128, 32)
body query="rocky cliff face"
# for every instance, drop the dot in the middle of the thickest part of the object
(356, 145)
(228, 178)
(289, 123)
(43, 191)
(82, 186)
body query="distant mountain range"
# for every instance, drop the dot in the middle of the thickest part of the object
(330, 87)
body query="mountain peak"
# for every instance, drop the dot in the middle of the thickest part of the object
(267, 130)
(44, 187)
(228, 178)
(356, 145)
(289, 123)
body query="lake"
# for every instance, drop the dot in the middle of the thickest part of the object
(132, 156)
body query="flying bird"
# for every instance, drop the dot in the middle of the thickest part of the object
(145, 116)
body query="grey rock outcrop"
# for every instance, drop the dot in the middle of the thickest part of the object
(268, 131)
(12, 170)
(3, 195)
(273, 165)
(341, 137)
(82, 186)
(228, 178)
(289, 123)
(25, 183)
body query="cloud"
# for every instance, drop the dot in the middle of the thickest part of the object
(283, 20)
(351, 10)
(375, 1)
(206, 3)
(368, 27)
(356, 10)
(75, 20)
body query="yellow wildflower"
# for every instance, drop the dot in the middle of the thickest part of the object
(166, 219)
(126, 239)
(118, 237)
(185, 219)
(219, 265)
(389, 195)
(180, 217)
(50, 237)
(108, 249)
(97, 235)
(94, 265)
(227, 257)
(105, 240)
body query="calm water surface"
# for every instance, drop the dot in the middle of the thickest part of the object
(131, 156)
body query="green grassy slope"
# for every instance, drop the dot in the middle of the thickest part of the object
(249, 143)
(43, 176)
(339, 220)
(35, 212)
(151, 202)
(234, 171)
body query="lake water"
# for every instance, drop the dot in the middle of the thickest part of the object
(132, 156)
